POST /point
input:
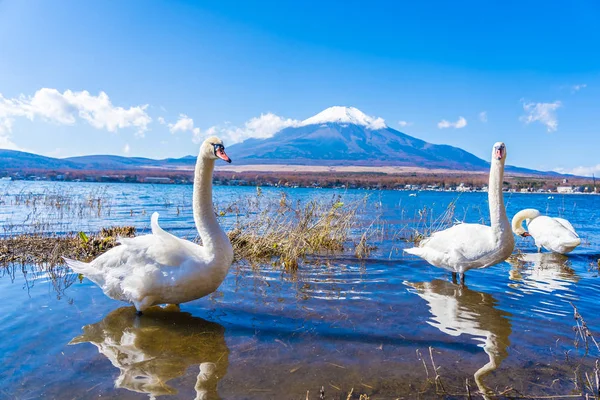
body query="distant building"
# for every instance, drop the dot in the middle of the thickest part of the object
(463, 188)
(565, 189)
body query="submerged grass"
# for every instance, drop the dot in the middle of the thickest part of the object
(286, 233)
(48, 250)
(274, 230)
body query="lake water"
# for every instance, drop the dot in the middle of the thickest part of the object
(382, 326)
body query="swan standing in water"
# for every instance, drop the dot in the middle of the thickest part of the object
(160, 268)
(554, 234)
(467, 246)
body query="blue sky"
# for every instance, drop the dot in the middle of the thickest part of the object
(174, 72)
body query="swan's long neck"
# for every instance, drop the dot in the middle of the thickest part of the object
(517, 221)
(213, 238)
(498, 218)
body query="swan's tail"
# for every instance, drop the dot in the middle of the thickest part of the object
(84, 269)
(572, 243)
(416, 251)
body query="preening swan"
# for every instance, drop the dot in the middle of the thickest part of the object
(160, 268)
(553, 234)
(467, 246)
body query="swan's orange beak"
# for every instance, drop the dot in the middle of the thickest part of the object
(499, 153)
(222, 155)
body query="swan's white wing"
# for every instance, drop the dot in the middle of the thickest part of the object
(462, 246)
(553, 235)
(566, 224)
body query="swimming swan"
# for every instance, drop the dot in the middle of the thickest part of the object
(554, 234)
(160, 268)
(467, 246)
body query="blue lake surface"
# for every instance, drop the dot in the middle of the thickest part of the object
(374, 325)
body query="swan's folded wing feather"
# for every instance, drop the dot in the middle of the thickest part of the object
(146, 250)
(461, 244)
(566, 224)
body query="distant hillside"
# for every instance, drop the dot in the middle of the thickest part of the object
(19, 160)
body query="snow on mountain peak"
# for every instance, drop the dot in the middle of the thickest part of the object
(348, 115)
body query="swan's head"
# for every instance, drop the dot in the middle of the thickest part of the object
(212, 148)
(526, 215)
(499, 151)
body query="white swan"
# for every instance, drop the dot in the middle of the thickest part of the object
(160, 268)
(467, 246)
(554, 234)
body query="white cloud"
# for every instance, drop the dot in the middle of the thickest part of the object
(161, 121)
(6, 143)
(581, 170)
(261, 127)
(50, 105)
(126, 148)
(404, 123)
(577, 88)
(183, 124)
(544, 113)
(483, 116)
(460, 123)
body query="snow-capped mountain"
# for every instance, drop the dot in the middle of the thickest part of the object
(347, 136)
(345, 115)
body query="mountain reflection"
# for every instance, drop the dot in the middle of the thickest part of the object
(160, 345)
(458, 310)
(547, 272)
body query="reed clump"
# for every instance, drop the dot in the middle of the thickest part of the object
(288, 232)
(48, 250)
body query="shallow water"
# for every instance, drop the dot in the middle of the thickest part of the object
(340, 322)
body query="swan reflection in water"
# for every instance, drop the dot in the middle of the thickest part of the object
(458, 310)
(153, 349)
(548, 272)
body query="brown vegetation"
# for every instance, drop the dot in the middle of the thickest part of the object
(266, 230)
(287, 233)
(372, 179)
(49, 250)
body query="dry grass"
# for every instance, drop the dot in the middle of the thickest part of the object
(48, 250)
(288, 233)
(266, 230)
